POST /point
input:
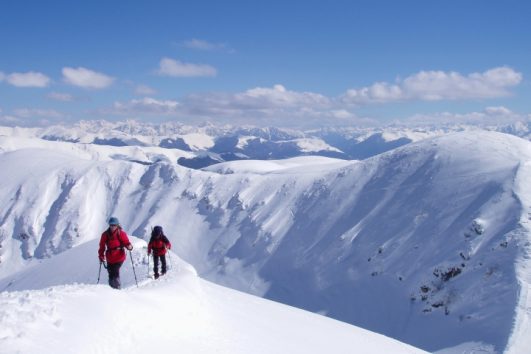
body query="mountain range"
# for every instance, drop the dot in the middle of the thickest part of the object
(423, 236)
(210, 144)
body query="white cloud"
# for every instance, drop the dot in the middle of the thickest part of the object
(279, 106)
(342, 114)
(269, 106)
(9, 120)
(29, 79)
(438, 85)
(175, 68)
(379, 92)
(33, 112)
(203, 45)
(31, 117)
(146, 105)
(86, 78)
(144, 90)
(489, 116)
(261, 105)
(257, 102)
(2, 76)
(500, 110)
(58, 96)
(279, 97)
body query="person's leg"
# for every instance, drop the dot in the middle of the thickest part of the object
(163, 262)
(114, 275)
(156, 266)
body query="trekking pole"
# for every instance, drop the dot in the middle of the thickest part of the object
(148, 265)
(169, 258)
(152, 250)
(99, 272)
(131, 256)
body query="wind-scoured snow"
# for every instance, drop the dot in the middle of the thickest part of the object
(427, 243)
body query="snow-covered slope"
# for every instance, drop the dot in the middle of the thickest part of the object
(428, 243)
(177, 313)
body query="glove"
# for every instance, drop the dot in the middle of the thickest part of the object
(102, 259)
(129, 247)
(149, 253)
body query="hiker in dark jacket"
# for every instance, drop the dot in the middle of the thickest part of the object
(158, 243)
(112, 244)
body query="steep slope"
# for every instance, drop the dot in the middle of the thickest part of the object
(427, 243)
(422, 243)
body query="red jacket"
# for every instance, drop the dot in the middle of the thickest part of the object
(158, 245)
(113, 243)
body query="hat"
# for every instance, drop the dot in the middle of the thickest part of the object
(157, 230)
(113, 221)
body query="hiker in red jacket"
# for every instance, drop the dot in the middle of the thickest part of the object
(158, 243)
(112, 244)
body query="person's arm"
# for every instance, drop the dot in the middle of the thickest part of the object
(167, 242)
(125, 240)
(101, 249)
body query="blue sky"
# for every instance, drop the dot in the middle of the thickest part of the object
(277, 63)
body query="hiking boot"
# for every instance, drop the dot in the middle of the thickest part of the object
(156, 276)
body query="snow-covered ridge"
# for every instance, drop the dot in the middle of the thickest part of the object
(412, 243)
(179, 312)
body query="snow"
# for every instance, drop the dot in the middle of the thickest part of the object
(520, 341)
(198, 141)
(411, 134)
(357, 241)
(243, 141)
(311, 145)
(95, 152)
(469, 348)
(307, 163)
(177, 313)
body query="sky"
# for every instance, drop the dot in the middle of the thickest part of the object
(269, 63)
